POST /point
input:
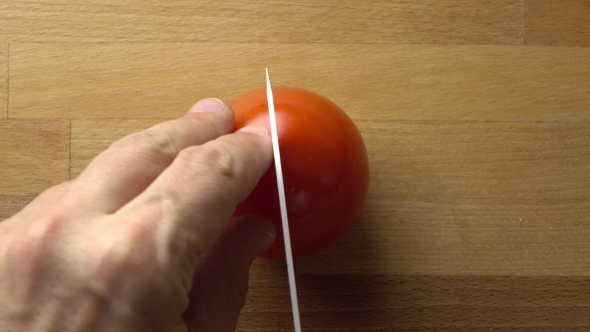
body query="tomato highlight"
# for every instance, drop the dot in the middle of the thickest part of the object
(325, 168)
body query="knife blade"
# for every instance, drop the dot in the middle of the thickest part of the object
(283, 204)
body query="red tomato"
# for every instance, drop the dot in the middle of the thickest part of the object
(325, 168)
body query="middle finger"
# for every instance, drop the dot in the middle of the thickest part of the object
(131, 164)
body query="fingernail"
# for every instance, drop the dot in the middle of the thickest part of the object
(264, 242)
(256, 130)
(212, 105)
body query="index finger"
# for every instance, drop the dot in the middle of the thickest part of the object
(131, 164)
(192, 201)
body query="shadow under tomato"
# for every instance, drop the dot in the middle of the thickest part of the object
(340, 287)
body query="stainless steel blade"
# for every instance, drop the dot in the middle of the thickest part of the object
(283, 204)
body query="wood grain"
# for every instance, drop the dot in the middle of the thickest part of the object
(11, 204)
(422, 303)
(300, 21)
(381, 82)
(34, 155)
(432, 160)
(435, 210)
(479, 141)
(90, 137)
(557, 22)
(469, 198)
(470, 237)
(3, 80)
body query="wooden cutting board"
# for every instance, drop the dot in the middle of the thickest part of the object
(476, 116)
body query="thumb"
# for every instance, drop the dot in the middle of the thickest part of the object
(220, 284)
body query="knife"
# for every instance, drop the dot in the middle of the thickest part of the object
(283, 204)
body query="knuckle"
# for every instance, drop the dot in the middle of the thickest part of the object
(55, 192)
(30, 255)
(36, 242)
(157, 203)
(211, 159)
(156, 143)
(134, 248)
(57, 189)
(130, 252)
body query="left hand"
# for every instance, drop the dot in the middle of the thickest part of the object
(142, 239)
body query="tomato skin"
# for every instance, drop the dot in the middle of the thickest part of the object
(325, 168)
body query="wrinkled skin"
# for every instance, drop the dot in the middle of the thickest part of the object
(142, 240)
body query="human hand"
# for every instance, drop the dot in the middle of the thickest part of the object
(142, 239)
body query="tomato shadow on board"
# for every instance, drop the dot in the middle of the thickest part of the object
(340, 287)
